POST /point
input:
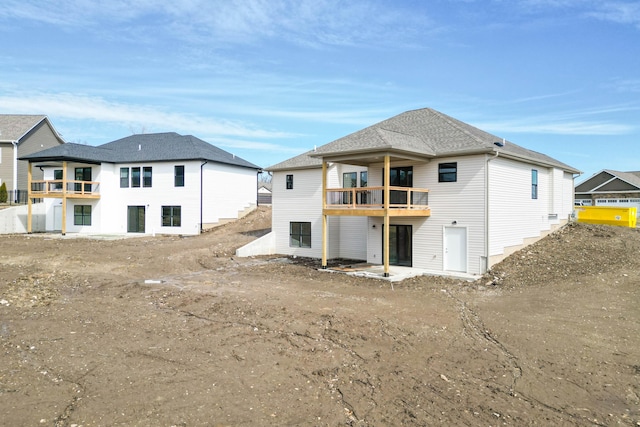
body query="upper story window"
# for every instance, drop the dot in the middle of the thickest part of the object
(146, 176)
(124, 177)
(83, 174)
(401, 176)
(534, 184)
(349, 179)
(178, 176)
(57, 175)
(289, 182)
(135, 177)
(448, 172)
(364, 177)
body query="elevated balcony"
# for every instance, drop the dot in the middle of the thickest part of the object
(369, 201)
(58, 188)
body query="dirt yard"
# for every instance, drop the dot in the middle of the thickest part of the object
(170, 331)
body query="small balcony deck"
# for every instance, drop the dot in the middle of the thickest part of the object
(369, 201)
(57, 188)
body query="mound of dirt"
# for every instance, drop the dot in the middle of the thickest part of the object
(178, 331)
(574, 251)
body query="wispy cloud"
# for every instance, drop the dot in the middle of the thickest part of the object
(587, 121)
(305, 22)
(80, 107)
(617, 11)
(557, 127)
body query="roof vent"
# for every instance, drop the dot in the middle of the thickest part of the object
(500, 143)
(139, 147)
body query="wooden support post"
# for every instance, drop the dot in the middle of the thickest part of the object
(324, 217)
(64, 198)
(29, 201)
(386, 227)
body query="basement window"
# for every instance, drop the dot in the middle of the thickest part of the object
(171, 216)
(82, 215)
(300, 234)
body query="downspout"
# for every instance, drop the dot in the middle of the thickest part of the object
(486, 210)
(15, 172)
(257, 182)
(201, 196)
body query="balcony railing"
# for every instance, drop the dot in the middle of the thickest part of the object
(55, 187)
(373, 197)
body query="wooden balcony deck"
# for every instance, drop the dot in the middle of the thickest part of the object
(57, 188)
(369, 201)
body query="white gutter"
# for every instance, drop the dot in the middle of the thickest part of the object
(15, 170)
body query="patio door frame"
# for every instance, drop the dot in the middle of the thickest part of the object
(136, 218)
(400, 242)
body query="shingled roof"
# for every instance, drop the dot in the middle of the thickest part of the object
(424, 133)
(152, 147)
(13, 127)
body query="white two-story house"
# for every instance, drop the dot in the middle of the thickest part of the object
(148, 183)
(420, 189)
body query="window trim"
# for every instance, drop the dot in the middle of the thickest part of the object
(298, 235)
(178, 178)
(447, 170)
(173, 215)
(147, 180)
(57, 176)
(289, 182)
(82, 215)
(135, 177)
(122, 183)
(534, 184)
(364, 174)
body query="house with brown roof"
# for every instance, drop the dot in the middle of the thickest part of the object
(21, 135)
(421, 190)
(610, 188)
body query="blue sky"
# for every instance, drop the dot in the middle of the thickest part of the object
(269, 79)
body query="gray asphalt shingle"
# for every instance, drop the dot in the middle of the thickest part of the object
(425, 132)
(153, 147)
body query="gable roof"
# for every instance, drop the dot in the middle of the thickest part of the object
(425, 133)
(14, 127)
(608, 180)
(152, 147)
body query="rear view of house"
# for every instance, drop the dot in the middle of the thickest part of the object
(21, 135)
(420, 189)
(149, 183)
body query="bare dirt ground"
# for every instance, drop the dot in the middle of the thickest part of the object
(170, 331)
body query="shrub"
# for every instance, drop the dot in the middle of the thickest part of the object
(3, 193)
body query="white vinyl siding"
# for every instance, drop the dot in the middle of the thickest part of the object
(347, 236)
(461, 201)
(302, 203)
(514, 216)
(227, 190)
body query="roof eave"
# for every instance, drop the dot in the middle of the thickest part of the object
(566, 168)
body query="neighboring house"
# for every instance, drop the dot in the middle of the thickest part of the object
(610, 188)
(21, 135)
(420, 189)
(264, 193)
(149, 183)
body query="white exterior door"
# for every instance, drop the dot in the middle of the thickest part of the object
(455, 249)
(57, 217)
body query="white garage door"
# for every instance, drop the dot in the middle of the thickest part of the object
(623, 203)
